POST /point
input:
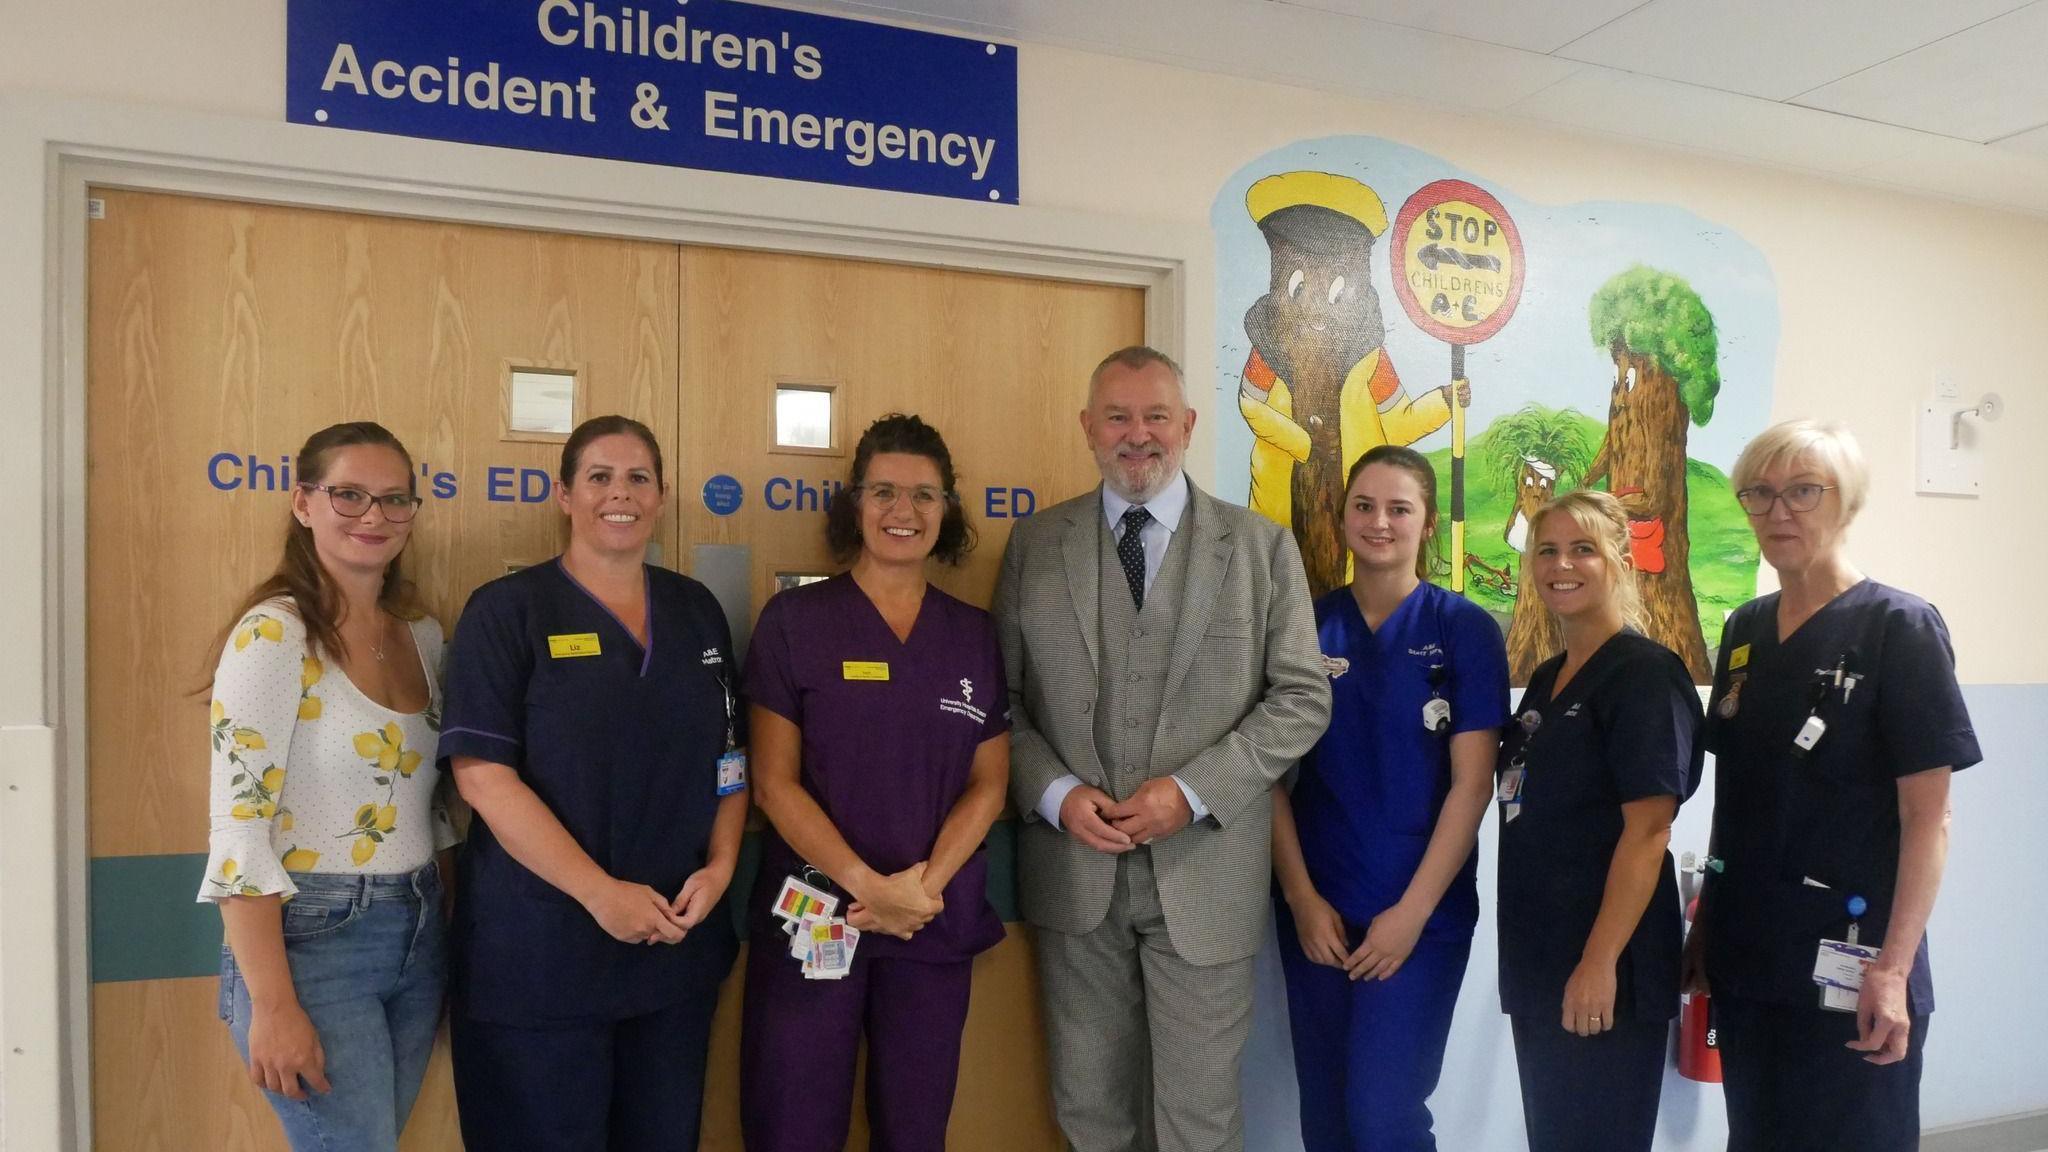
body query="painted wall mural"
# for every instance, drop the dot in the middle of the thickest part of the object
(1540, 348)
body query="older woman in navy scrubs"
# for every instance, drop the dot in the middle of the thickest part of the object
(1835, 724)
(590, 716)
(882, 749)
(1594, 769)
(1373, 850)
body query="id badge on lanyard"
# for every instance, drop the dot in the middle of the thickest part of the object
(732, 764)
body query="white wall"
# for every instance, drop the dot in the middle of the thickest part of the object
(1879, 291)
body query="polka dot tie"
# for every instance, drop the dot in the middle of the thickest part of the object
(1131, 552)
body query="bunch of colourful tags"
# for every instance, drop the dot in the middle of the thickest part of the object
(822, 941)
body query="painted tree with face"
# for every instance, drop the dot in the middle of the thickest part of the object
(1666, 375)
(1318, 389)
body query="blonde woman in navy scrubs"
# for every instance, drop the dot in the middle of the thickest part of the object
(1373, 850)
(1594, 768)
(1835, 724)
(591, 710)
(882, 746)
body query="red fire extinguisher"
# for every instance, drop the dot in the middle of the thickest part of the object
(1699, 1052)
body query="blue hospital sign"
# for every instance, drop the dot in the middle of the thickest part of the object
(721, 85)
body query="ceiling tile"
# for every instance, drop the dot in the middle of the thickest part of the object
(1280, 42)
(1646, 108)
(1770, 48)
(2034, 141)
(1961, 170)
(1531, 25)
(1981, 84)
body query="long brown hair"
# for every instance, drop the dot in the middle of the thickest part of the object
(299, 573)
(1429, 549)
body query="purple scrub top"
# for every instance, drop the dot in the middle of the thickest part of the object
(886, 759)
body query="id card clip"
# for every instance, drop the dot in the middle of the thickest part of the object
(1436, 715)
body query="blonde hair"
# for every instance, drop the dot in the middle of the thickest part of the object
(1828, 447)
(1599, 516)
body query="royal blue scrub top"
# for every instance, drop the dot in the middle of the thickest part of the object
(622, 744)
(890, 728)
(1798, 835)
(1626, 728)
(1368, 794)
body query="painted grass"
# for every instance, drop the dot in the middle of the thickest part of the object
(1724, 553)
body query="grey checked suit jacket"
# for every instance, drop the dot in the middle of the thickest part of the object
(1245, 696)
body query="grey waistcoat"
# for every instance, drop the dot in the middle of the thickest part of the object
(1136, 645)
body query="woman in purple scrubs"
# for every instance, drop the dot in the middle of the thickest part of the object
(881, 756)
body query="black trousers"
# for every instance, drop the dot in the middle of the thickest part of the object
(1592, 1093)
(1791, 1085)
(633, 1085)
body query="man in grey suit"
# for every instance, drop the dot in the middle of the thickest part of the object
(1161, 650)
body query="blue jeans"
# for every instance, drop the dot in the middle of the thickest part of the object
(368, 958)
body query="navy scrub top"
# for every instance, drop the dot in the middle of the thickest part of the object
(1830, 816)
(1368, 795)
(885, 758)
(1626, 728)
(622, 746)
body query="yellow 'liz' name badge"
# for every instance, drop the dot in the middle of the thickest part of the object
(1738, 658)
(864, 670)
(573, 644)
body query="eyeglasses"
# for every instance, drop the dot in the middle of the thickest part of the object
(1758, 498)
(354, 503)
(924, 497)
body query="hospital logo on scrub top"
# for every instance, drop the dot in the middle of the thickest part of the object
(712, 656)
(1336, 666)
(962, 707)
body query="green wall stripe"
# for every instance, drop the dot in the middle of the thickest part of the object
(147, 926)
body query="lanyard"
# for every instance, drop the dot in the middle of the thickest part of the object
(725, 687)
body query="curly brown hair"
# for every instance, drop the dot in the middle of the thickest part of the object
(897, 432)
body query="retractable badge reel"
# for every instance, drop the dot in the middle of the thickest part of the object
(1839, 965)
(1436, 712)
(1516, 773)
(1814, 728)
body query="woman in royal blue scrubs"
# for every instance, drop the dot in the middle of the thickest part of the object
(591, 705)
(1373, 851)
(1835, 724)
(1604, 750)
(881, 722)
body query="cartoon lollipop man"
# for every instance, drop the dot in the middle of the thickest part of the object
(1319, 389)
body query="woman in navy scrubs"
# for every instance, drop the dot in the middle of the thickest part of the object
(1373, 850)
(881, 727)
(591, 706)
(1835, 724)
(1603, 752)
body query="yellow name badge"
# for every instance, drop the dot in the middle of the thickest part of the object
(1738, 658)
(864, 670)
(574, 644)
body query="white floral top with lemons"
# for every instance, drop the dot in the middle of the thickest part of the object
(309, 774)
